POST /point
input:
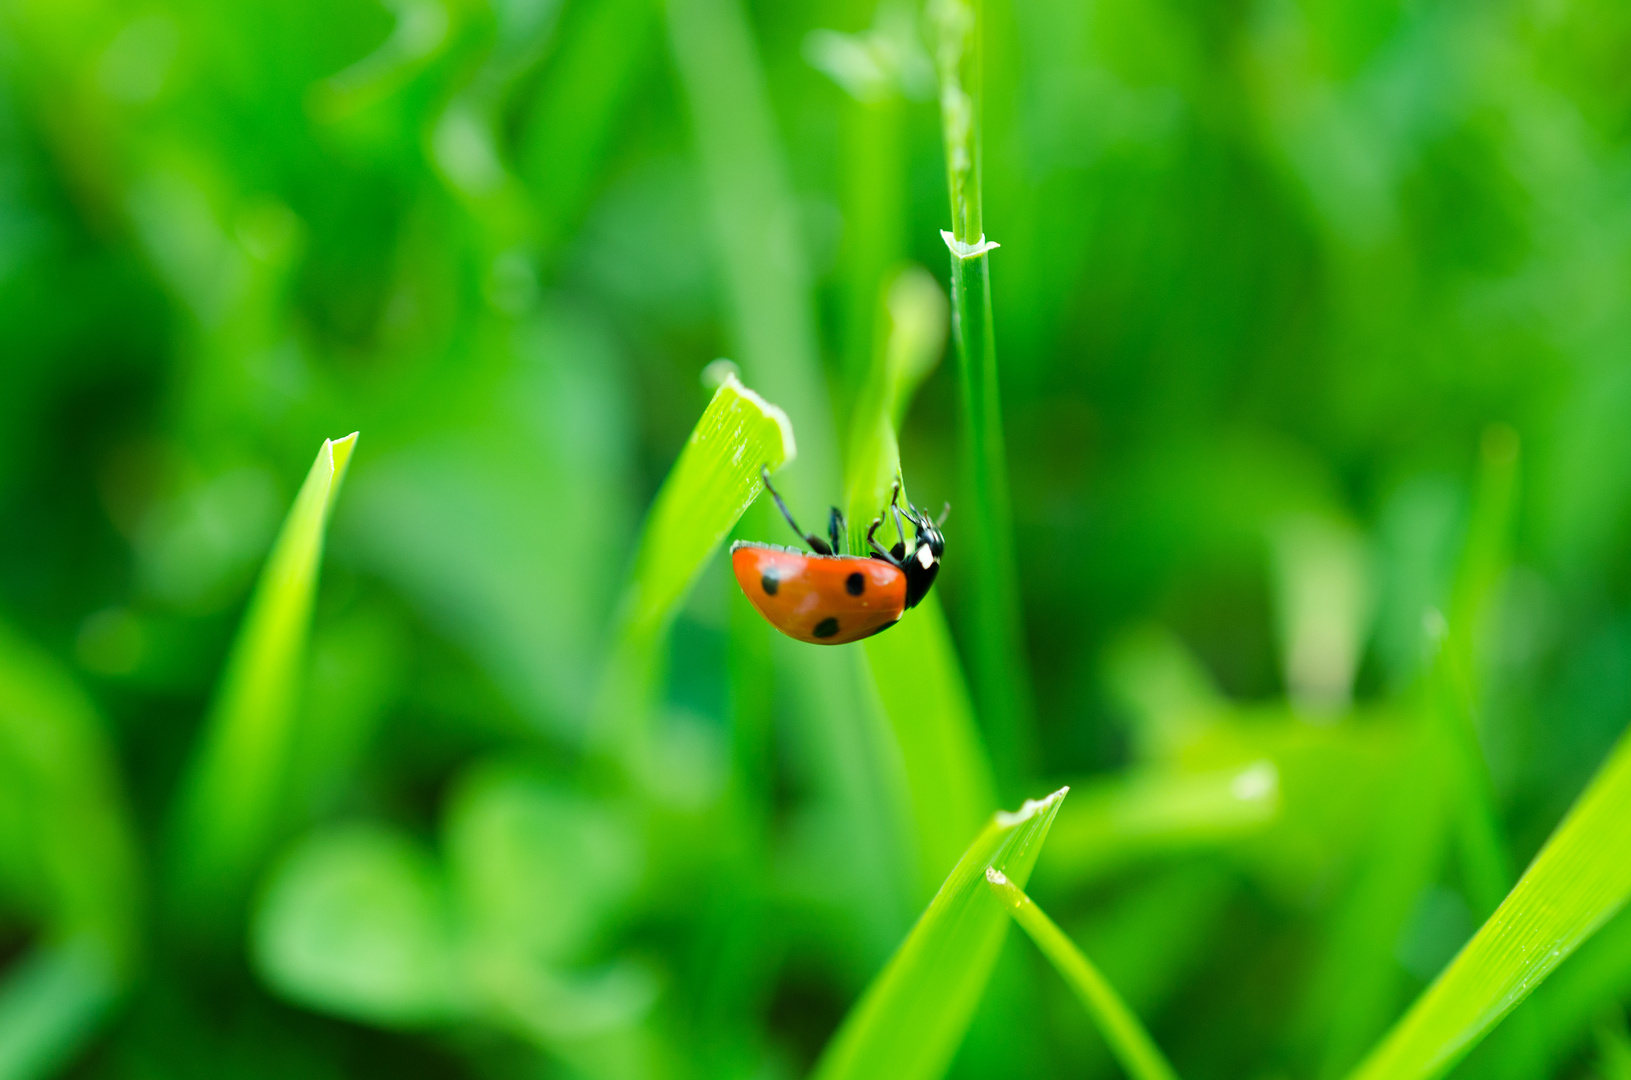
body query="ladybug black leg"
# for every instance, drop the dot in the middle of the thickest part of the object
(838, 531)
(818, 545)
(877, 549)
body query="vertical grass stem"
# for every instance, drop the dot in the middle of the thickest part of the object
(1001, 686)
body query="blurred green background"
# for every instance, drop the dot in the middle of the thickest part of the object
(1313, 333)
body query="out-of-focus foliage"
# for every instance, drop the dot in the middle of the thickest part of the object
(1310, 321)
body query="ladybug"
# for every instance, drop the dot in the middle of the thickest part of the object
(828, 598)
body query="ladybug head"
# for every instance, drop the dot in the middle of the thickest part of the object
(928, 531)
(922, 566)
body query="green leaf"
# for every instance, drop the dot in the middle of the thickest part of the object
(50, 1003)
(1578, 881)
(716, 478)
(67, 852)
(536, 867)
(911, 1019)
(359, 921)
(230, 807)
(68, 863)
(355, 922)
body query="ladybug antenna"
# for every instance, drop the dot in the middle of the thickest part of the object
(818, 545)
(944, 514)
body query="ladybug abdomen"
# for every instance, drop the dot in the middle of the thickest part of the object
(821, 599)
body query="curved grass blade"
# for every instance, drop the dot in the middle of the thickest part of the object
(948, 776)
(230, 805)
(1453, 683)
(911, 1019)
(1581, 877)
(1120, 1026)
(715, 479)
(915, 666)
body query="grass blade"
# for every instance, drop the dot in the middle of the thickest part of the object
(948, 776)
(1596, 978)
(1454, 686)
(715, 479)
(230, 805)
(1128, 1040)
(1000, 680)
(1581, 877)
(915, 666)
(910, 1020)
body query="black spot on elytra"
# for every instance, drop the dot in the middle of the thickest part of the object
(826, 627)
(769, 583)
(855, 584)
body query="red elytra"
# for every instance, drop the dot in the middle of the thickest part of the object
(821, 599)
(825, 598)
